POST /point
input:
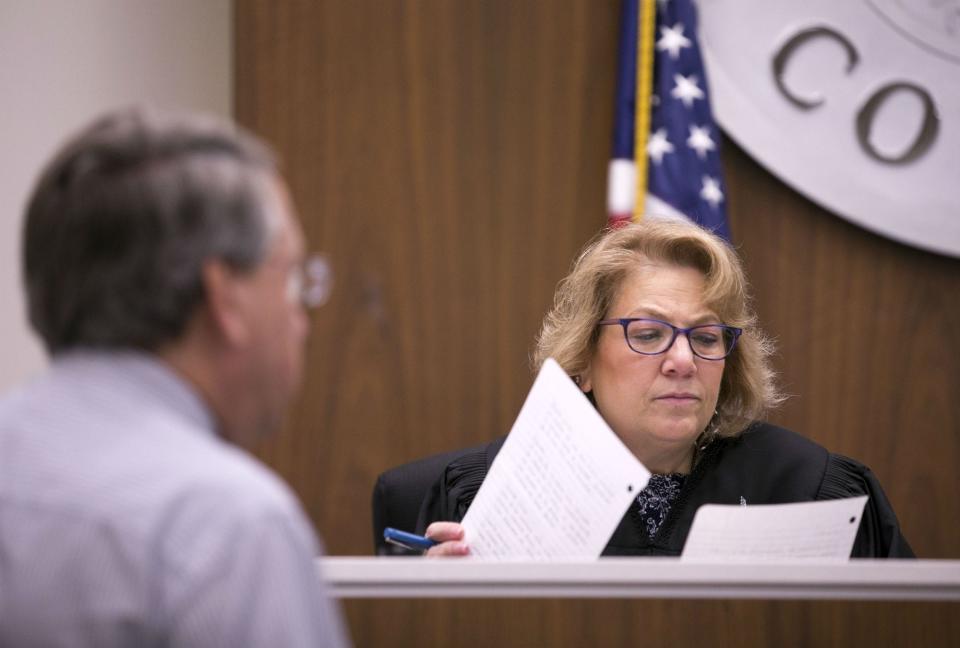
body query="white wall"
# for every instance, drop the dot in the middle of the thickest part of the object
(61, 63)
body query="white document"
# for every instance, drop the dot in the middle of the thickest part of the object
(801, 531)
(560, 484)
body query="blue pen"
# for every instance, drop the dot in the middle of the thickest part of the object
(410, 541)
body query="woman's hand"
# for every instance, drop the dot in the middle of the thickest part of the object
(449, 536)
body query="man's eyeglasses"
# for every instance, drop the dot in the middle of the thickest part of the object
(310, 283)
(652, 337)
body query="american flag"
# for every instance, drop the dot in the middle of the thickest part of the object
(682, 162)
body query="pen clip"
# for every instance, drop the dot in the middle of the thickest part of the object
(404, 545)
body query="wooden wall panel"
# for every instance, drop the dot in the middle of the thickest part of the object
(450, 156)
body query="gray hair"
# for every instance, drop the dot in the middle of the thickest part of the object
(123, 219)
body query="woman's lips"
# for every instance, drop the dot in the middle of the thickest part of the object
(678, 398)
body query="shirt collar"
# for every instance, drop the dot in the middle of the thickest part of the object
(148, 375)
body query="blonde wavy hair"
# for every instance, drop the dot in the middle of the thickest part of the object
(569, 333)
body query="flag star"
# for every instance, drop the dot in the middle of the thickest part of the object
(700, 141)
(672, 40)
(663, 4)
(659, 145)
(686, 89)
(654, 99)
(711, 191)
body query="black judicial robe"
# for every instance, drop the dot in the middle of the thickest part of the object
(766, 464)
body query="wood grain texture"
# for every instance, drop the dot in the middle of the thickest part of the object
(571, 623)
(446, 156)
(451, 157)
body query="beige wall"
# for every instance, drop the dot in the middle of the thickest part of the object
(62, 62)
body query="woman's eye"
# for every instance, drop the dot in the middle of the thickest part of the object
(706, 339)
(647, 335)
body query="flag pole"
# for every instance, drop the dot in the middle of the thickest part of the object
(641, 131)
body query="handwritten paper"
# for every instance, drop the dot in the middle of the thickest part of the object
(559, 485)
(802, 531)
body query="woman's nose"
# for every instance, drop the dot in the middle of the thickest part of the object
(679, 357)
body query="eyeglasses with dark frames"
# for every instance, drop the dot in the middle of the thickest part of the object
(653, 337)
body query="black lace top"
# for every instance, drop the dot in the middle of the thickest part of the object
(654, 501)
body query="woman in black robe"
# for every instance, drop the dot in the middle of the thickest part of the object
(654, 325)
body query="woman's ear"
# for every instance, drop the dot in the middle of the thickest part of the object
(225, 303)
(583, 381)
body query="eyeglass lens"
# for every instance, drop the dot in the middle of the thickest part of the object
(310, 284)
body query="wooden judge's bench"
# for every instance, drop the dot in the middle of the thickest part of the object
(647, 601)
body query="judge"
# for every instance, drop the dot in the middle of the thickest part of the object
(654, 325)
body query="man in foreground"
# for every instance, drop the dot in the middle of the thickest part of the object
(162, 265)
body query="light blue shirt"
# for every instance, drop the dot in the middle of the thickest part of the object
(126, 521)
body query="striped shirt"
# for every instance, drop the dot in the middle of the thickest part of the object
(126, 521)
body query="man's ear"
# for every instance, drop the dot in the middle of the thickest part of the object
(225, 303)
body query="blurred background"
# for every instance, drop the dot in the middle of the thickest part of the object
(451, 159)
